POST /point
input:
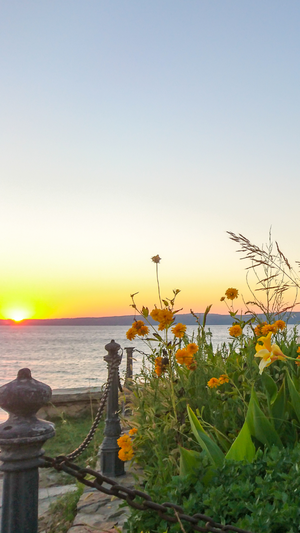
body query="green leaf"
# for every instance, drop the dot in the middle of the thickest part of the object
(189, 461)
(204, 440)
(279, 407)
(295, 396)
(270, 387)
(243, 448)
(259, 425)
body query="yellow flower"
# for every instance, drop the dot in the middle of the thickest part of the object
(131, 334)
(213, 382)
(156, 258)
(192, 348)
(179, 330)
(280, 324)
(223, 379)
(267, 352)
(125, 455)
(133, 431)
(235, 331)
(231, 293)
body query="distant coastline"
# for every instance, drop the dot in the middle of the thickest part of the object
(126, 320)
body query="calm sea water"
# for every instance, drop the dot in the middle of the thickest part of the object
(66, 356)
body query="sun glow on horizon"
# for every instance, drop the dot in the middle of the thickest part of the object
(17, 314)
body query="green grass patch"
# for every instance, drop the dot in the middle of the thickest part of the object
(69, 434)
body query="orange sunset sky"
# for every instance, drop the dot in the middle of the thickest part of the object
(131, 129)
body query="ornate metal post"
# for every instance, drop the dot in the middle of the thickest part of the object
(129, 368)
(21, 439)
(110, 464)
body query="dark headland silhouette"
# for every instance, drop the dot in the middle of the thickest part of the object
(126, 320)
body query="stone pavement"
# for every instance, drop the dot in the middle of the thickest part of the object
(99, 513)
(47, 495)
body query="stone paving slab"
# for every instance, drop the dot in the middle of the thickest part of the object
(100, 513)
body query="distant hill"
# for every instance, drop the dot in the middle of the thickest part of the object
(126, 320)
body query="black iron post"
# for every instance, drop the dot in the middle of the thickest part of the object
(110, 464)
(129, 367)
(21, 439)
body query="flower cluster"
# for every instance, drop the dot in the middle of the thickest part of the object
(235, 330)
(185, 356)
(161, 364)
(163, 316)
(138, 328)
(126, 452)
(264, 328)
(215, 382)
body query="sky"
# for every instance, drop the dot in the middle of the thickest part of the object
(130, 129)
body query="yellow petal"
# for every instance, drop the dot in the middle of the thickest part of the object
(276, 351)
(264, 354)
(263, 364)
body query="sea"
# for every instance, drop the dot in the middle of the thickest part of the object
(73, 356)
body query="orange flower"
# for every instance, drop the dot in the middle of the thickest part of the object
(223, 379)
(133, 431)
(183, 357)
(213, 382)
(192, 348)
(125, 455)
(257, 330)
(235, 331)
(269, 328)
(231, 294)
(140, 328)
(124, 441)
(298, 349)
(131, 334)
(155, 314)
(158, 366)
(179, 330)
(297, 362)
(280, 324)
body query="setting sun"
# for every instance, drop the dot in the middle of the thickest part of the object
(17, 314)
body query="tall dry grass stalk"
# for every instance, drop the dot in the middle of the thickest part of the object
(276, 281)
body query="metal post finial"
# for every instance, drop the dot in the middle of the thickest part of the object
(21, 439)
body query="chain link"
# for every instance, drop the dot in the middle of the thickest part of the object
(113, 368)
(112, 488)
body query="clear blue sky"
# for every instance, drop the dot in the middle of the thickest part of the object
(131, 128)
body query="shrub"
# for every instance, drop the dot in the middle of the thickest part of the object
(261, 497)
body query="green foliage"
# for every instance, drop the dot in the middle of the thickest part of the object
(261, 497)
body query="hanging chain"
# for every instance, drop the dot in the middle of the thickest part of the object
(113, 488)
(113, 369)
